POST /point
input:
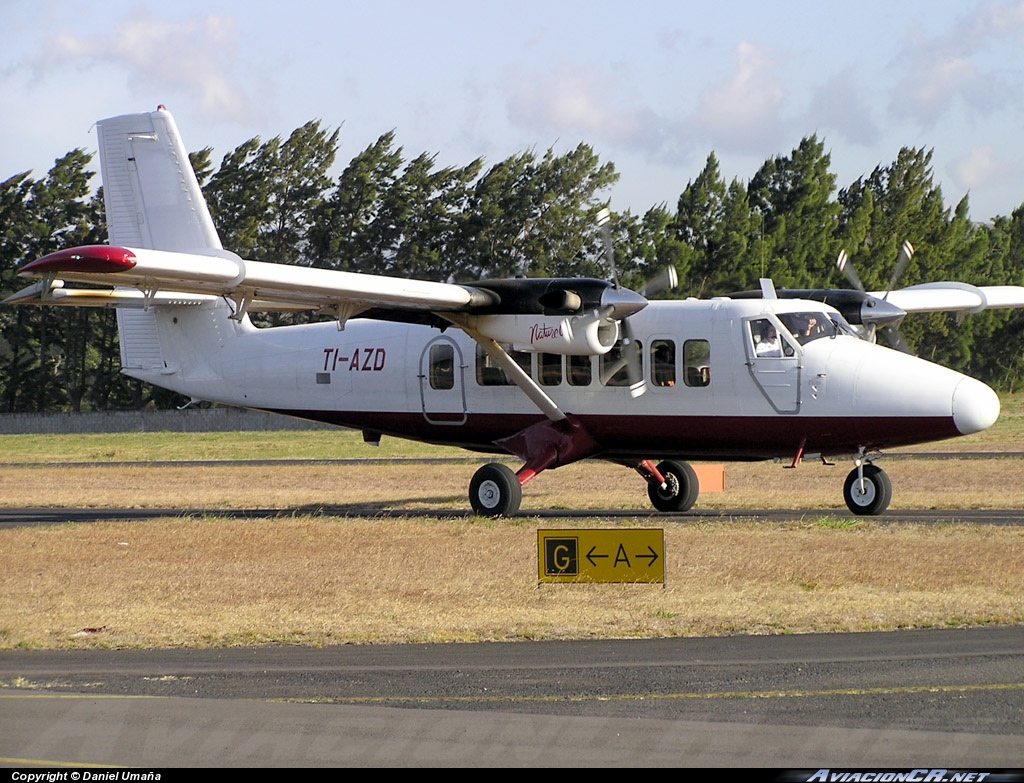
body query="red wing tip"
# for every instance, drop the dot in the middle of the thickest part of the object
(92, 258)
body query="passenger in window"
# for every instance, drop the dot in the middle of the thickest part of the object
(664, 363)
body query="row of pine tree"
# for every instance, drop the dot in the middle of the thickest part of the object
(531, 213)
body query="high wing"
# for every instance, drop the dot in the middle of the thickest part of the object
(953, 297)
(164, 250)
(220, 273)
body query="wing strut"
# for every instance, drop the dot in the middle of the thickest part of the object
(520, 378)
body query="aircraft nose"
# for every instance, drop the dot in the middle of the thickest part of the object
(975, 406)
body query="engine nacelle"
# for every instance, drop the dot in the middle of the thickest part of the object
(577, 335)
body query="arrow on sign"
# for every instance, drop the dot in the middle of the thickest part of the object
(653, 556)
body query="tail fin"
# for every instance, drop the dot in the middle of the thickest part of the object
(151, 193)
(153, 201)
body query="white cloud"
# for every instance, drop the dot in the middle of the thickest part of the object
(962, 67)
(588, 104)
(744, 112)
(838, 106)
(157, 58)
(975, 169)
(986, 167)
(926, 92)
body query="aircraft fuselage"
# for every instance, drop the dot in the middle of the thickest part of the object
(711, 394)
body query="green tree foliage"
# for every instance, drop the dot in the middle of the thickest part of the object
(265, 196)
(530, 213)
(794, 196)
(537, 216)
(45, 363)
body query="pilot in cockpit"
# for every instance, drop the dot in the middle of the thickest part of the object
(769, 344)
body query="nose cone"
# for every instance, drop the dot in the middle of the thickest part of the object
(880, 313)
(622, 302)
(975, 406)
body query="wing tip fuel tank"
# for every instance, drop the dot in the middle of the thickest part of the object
(94, 259)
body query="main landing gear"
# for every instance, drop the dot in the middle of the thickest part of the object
(671, 486)
(497, 491)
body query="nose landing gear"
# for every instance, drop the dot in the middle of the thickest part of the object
(867, 490)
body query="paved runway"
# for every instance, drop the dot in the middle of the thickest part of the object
(946, 698)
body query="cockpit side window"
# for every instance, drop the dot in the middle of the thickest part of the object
(768, 343)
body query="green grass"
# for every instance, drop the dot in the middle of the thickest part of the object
(145, 446)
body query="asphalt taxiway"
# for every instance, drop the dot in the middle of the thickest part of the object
(19, 517)
(941, 698)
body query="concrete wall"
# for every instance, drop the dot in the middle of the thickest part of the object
(188, 420)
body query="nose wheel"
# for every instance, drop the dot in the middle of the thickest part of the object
(867, 494)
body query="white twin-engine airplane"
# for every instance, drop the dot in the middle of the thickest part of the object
(549, 370)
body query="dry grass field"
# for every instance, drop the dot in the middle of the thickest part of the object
(320, 580)
(199, 579)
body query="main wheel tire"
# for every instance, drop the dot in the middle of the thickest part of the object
(875, 496)
(681, 490)
(495, 491)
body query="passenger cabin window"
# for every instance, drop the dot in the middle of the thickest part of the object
(663, 362)
(488, 373)
(697, 362)
(549, 369)
(579, 370)
(442, 366)
(614, 365)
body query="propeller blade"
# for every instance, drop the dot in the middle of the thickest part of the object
(906, 253)
(604, 222)
(892, 336)
(843, 265)
(666, 280)
(630, 347)
(634, 364)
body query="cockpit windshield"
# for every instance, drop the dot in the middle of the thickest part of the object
(809, 326)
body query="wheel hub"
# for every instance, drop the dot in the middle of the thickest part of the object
(489, 494)
(671, 488)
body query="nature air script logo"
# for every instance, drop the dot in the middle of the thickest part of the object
(540, 332)
(589, 555)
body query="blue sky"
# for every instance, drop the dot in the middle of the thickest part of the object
(652, 86)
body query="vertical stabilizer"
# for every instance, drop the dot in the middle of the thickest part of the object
(151, 193)
(154, 202)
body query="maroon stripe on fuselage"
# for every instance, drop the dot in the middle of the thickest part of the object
(683, 437)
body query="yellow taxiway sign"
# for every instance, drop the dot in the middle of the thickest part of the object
(589, 555)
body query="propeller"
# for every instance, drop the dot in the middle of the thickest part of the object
(906, 253)
(665, 280)
(877, 315)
